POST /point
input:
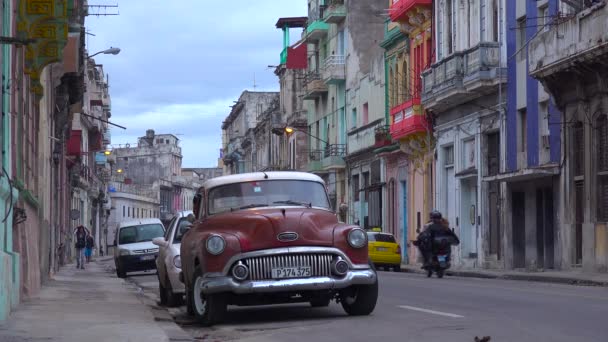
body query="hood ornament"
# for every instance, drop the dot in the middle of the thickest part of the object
(287, 236)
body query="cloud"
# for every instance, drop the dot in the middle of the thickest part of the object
(183, 62)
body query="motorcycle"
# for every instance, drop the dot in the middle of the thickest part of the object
(440, 260)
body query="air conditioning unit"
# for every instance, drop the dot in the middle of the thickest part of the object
(544, 139)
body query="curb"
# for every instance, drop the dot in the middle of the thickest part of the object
(519, 277)
(161, 316)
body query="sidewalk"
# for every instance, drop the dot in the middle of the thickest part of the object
(88, 305)
(560, 277)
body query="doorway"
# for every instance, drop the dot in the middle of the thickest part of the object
(518, 203)
(495, 233)
(544, 228)
(404, 255)
(468, 218)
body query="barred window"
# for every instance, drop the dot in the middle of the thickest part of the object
(601, 137)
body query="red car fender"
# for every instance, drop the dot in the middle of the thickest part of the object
(356, 255)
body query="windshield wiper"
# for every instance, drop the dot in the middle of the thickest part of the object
(250, 206)
(290, 202)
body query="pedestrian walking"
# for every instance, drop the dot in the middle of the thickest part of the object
(88, 249)
(80, 236)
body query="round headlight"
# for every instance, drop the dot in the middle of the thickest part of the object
(357, 238)
(177, 261)
(215, 244)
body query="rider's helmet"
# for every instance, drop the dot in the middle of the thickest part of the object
(435, 215)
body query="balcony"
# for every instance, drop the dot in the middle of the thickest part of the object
(578, 42)
(399, 8)
(333, 157)
(408, 119)
(335, 12)
(382, 135)
(316, 30)
(314, 160)
(315, 87)
(334, 69)
(462, 77)
(363, 138)
(74, 143)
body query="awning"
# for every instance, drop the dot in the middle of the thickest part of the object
(524, 175)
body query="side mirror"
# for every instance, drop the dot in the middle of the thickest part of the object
(184, 229)
(159, 241)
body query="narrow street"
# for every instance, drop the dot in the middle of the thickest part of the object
(414, 308)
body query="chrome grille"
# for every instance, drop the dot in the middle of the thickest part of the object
(260, 268)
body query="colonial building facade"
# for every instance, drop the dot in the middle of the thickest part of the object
(569, 58)
(464, 91)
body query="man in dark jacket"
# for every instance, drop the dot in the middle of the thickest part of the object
(438, 227)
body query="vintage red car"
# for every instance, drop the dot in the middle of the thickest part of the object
(270, 238)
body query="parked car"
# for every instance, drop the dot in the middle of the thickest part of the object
(384, 251)
(269, 238)
(134, 250)
(168, 263)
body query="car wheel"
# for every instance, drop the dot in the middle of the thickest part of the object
(163, 293)
(120, 272)
(320, 302)
(207, 309)
(397, 268)
(360, 300)
(173, 299)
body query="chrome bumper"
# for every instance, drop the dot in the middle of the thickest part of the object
(228, 284)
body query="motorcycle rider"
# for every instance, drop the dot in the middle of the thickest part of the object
(438, 227)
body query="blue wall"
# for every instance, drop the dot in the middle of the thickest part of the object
(511, 88)
(533, 119)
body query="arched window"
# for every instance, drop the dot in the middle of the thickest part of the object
(601, 141)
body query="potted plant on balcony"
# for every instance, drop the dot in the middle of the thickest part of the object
(383, 136)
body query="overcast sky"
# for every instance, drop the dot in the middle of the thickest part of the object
(183, 62)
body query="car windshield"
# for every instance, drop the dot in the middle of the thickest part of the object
(381, 237)
(179, 231)
(140, 233)
(267, 193)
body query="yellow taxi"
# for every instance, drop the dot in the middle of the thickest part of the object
(384, 251)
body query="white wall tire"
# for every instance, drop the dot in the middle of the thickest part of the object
(207, 309)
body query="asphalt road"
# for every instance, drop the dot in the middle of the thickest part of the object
(414, 308)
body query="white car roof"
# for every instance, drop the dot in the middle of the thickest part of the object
(261, 176)
(183, 213)
(136, 222)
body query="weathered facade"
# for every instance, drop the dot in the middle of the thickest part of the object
(239, 154)
(293, 115)
(398, 196)
(155, 163)
(410, 124)
(569, 58)
(43, 68)
(463, 89)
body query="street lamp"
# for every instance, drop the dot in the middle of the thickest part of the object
(107, 153)
(289, 130)
(119, 170)
(110, 51)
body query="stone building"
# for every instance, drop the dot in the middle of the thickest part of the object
(239, 154)
(464, 90)
(569, 57)
(155, 163)
(293, 115)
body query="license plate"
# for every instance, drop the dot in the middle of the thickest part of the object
(441, 258)
(382, 249)
(291, 272)
(148, 257)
